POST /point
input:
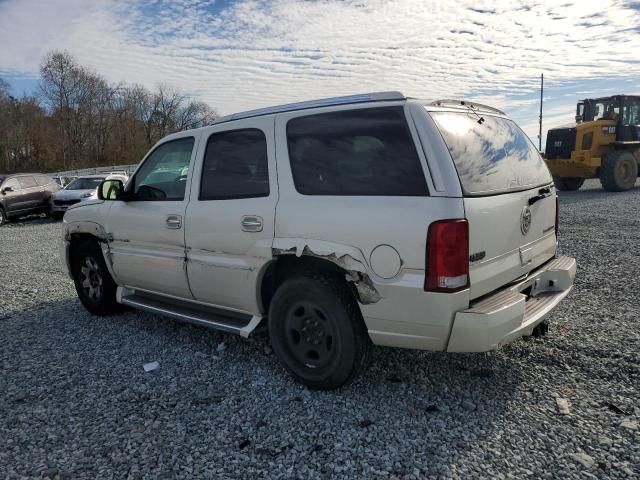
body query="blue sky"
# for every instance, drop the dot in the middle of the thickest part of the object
(250, 54)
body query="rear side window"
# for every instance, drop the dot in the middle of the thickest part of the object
(235, 166)
(366, 152)
(43, 180)
(27, 182)
(491, 156)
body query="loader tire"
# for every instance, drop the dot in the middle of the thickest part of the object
(619, 171)
(568, 184)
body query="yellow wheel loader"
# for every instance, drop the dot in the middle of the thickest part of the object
(604, 143)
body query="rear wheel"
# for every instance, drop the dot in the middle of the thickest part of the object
(317, 331)
(94, 285)
(568, 183)
(619, 171)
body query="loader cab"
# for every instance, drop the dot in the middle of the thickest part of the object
(623, 109)
(580, 112)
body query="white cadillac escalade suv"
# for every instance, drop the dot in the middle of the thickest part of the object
(341, 222)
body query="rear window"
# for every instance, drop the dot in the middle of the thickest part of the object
(366, 152)
(491, 154)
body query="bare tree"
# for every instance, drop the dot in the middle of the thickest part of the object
(79, 119)
(194, 115)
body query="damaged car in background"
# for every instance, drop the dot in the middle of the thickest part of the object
(341, 223)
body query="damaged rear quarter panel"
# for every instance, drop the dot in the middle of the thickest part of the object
(349, 258)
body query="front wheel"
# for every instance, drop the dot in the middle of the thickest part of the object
(3, 217)
(568, 183)
(94, 285)
(57, 216)
(317, 331)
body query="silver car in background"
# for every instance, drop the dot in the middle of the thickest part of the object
(81, 189)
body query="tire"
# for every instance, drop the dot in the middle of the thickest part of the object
(94, 285)
(619, 171)
(568, 184)
(57, 216)
(317, 331)
(3, 217)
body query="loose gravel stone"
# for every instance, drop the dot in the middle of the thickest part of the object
(75, 402)
(583, 459)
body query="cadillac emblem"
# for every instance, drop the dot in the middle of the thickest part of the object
(525, 220)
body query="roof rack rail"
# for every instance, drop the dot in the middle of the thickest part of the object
(324, 102)
(465, 103)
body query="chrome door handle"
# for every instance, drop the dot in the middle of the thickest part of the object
(251, 223)
(174, 221)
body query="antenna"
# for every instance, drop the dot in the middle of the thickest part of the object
(540, 126)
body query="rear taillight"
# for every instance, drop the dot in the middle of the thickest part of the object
(447, 268)
(557, 215)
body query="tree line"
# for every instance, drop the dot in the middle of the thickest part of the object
(77, 119)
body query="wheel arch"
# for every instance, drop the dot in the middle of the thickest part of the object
(293, 257)
(77, 233)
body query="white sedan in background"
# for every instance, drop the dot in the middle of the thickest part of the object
(80, 189)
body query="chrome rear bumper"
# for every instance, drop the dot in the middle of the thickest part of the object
(514, 311)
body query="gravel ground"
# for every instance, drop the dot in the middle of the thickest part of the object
(75, 401)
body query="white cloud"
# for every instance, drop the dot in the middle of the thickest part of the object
(259, 53)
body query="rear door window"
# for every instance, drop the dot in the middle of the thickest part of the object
(492, 154)
(368, 152)
(27, 181)
(235, 166)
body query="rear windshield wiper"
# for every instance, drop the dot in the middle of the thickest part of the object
(542, 193)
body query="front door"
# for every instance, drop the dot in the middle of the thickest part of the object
(12, 196)
(147, 230)
(230, 219)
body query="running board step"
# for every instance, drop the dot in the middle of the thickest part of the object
(227, 321)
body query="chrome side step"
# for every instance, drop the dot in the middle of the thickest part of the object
(227, 321)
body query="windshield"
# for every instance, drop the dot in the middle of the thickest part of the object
(491, 154)
(85, 183)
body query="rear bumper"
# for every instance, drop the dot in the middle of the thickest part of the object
(514, 311)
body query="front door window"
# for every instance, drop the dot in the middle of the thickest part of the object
(163, 176)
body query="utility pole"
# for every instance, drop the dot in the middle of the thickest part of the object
(540, 130)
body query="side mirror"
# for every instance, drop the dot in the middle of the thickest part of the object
(111, 190)
(5, 190)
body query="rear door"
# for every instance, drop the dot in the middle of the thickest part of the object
(509, 198)
(230, 218)
(31, 193)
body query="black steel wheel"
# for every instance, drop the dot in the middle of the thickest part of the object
(317, 331)
(311, 336)
(94, 284)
